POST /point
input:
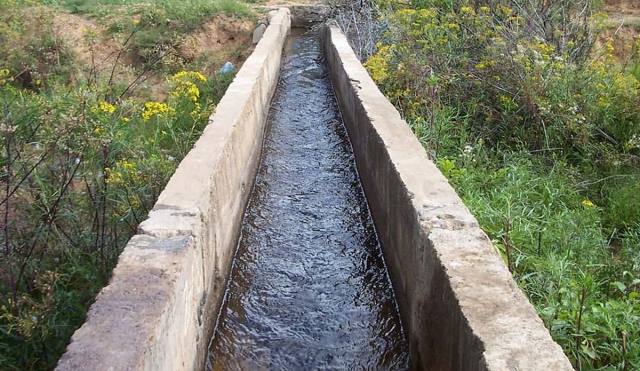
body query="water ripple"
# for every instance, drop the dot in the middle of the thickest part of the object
(309, 289)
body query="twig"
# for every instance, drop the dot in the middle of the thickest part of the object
(587, 184)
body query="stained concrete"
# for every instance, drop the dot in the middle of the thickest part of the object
(157, 311)
(460, 307)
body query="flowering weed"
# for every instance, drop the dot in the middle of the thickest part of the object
(537, 130)
(81, 164)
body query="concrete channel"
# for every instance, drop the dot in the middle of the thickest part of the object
(459, 306)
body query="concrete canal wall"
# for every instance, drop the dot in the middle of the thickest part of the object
(159, 309)
(459, 305)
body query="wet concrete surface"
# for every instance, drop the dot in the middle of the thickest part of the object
(308, 289)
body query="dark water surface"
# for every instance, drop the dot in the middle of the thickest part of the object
(309, 289)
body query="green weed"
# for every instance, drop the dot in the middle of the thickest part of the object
(538, 131)
(81, 164)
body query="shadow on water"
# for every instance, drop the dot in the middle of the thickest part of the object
(309, 289)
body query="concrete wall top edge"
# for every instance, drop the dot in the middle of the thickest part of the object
(495, 310)
(128, 310)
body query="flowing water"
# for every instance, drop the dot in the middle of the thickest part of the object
(309, 289)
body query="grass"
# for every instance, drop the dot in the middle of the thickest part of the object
(189, 13)
(555, 243)
(84, 155)
(540, 137)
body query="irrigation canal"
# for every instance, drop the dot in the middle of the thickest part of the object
(309, 288)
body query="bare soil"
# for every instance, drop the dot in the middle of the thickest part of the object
(623, 26)
(622, 6)
(219, 40)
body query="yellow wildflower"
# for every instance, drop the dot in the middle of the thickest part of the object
(155, 108)
(184, 84)
(112, 176)
(587, 203)
(106, 107)
(504, 10)
(126, 164)
(503, 98)
(453, 26)
(188, 75)
(377, 65)
(4, 73)
(602, 101)
(467, 10)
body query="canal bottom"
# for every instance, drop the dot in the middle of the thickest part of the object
(309, 289)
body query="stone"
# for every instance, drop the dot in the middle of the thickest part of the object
(258, 32)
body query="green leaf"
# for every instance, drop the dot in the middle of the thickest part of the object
(621, 286)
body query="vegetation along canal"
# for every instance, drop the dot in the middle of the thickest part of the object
(309, 288)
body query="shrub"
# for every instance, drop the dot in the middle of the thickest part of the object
(78, 174)
(538, 131)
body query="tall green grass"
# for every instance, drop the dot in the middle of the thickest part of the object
(539, 132)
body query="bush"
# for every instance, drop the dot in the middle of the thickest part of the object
(31, 50)
(80, 166)
(79, 174)
(538, 131)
